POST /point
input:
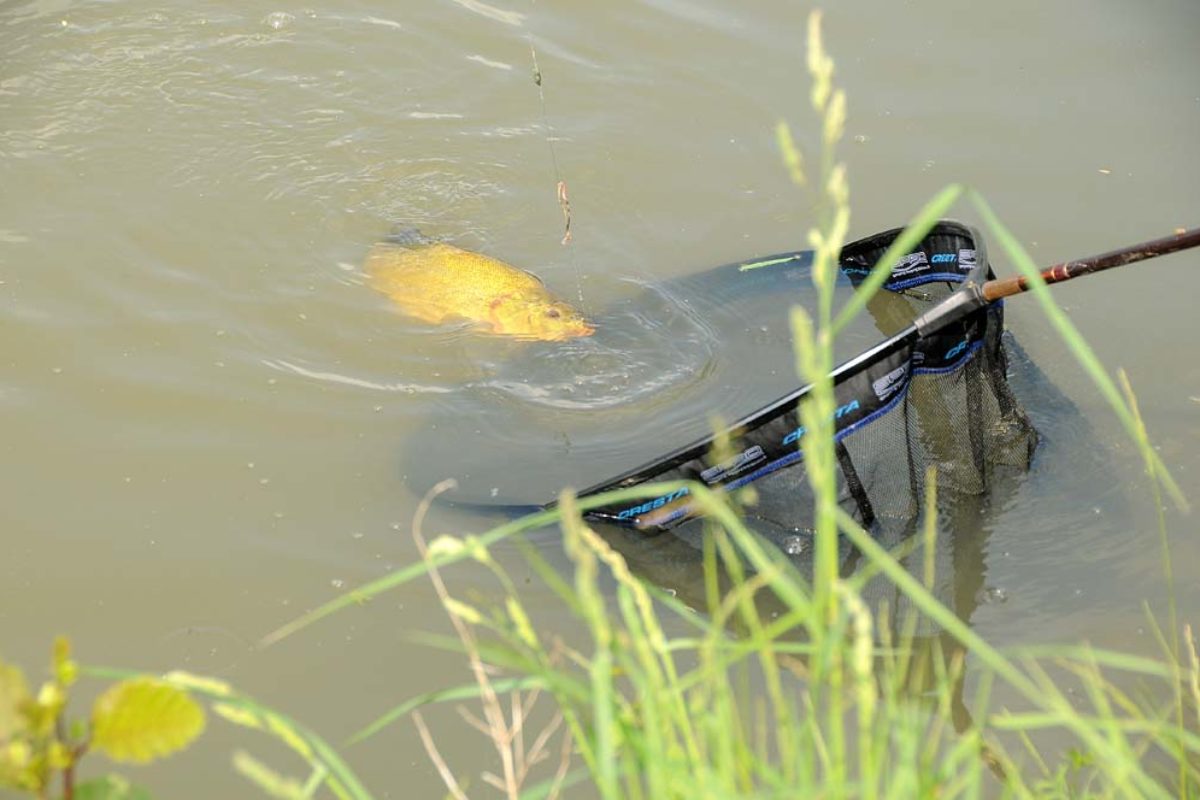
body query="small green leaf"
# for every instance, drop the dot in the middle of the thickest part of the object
(14, 693)
(42, 714)
(19, 768)
(65, 669)
(142, 719)
(58, 756)
(110, 787)
(77, 729)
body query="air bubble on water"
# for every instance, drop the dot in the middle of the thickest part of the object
(793, 545)
(337, 583)
(495, 491)
(993, 594)
(356, 535)
(277, 20)
(862, 138)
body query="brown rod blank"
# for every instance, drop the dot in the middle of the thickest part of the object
(994, 290)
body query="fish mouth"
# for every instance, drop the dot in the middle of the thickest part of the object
(534, 333)
(575, 332)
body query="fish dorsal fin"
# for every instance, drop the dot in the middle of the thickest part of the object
(407, 235)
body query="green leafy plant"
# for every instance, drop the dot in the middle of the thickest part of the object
(134, 721)
(141, 718)
(326, 769)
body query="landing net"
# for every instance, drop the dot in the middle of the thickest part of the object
(933, 394)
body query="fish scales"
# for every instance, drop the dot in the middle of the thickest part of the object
(439, 283)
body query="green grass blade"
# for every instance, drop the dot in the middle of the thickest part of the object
(399, 577)
(1079, 347)
(464, 692)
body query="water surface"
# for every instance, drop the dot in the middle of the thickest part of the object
(206, 412)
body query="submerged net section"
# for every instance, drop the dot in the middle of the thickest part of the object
(939, 397)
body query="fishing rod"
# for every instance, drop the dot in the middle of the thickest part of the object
(994, 290)
(974, 296)
(971, 297)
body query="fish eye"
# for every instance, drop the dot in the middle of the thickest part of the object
(554, 313)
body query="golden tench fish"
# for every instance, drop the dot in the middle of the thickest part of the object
(436, 283)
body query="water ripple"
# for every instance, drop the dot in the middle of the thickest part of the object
(349, 380)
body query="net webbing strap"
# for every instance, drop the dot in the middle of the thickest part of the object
(855, 485)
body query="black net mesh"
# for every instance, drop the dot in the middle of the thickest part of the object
(939, 397)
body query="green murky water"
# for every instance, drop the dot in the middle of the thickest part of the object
(204, 410)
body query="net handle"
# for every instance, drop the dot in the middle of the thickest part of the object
(1006, 287)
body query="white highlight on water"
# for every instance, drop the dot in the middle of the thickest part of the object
(347, 380)
(491, 12)
(487, 62)
(387, 23)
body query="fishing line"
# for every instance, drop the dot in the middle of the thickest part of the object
(564, 201)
